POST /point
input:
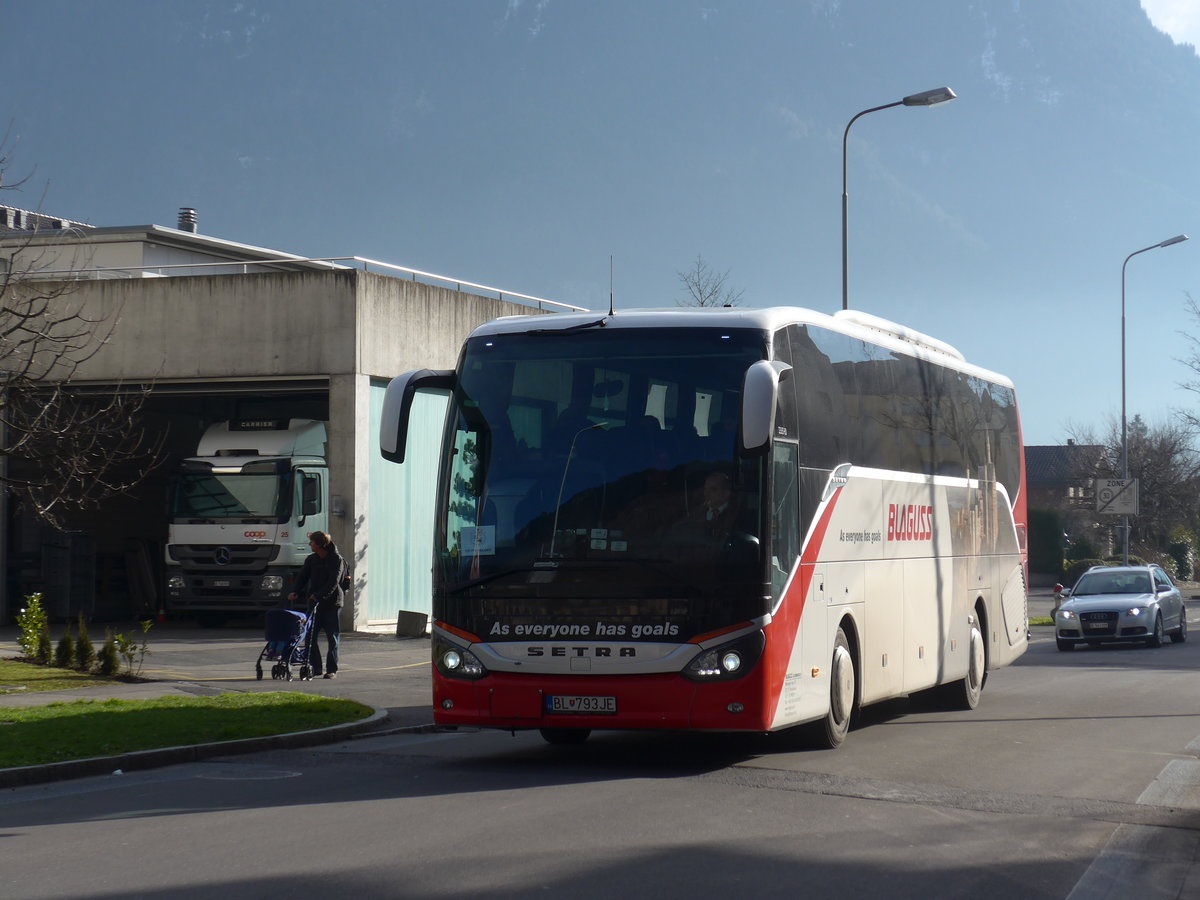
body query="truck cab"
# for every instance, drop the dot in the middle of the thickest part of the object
(240, 514)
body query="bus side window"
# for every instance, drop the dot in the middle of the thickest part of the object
(785, 515)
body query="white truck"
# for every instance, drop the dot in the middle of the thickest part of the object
(240, 514)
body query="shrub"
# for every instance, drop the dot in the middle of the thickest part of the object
(32, 624)
(108, 663)
(45, 649)
(1077, 568)
(64, 653)
(133, 651)
(1045, 542)
(1184, 556)
(85, 653)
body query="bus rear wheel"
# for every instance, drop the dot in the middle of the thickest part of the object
(565, 736)
(831, 731)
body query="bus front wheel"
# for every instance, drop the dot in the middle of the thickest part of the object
(832, 730)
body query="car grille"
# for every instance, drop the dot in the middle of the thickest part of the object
(1098, 624)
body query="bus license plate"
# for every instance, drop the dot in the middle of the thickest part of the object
(596, 706)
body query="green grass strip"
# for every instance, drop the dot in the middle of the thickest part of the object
(85, 728)
(18, 676)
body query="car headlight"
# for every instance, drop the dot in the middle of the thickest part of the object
(727, 661)
(1066, 613)
(1135, 611)
(454, 661)
(272, 583)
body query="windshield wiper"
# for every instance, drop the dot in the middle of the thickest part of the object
(492, 576)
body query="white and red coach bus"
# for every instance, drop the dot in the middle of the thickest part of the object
(717, 519)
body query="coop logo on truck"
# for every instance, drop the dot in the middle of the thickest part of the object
(909, 522)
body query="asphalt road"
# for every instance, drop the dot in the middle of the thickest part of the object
(1077, 777)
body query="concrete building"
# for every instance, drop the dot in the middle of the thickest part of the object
(222, 330)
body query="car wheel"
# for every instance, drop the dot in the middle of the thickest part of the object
(1179, 635)
(831, 731)
(965, 694)
(1156, 639)
(1064, 645)
(565, 736)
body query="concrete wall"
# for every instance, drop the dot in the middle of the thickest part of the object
(350, 326)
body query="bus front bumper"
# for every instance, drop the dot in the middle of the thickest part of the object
(612, 702)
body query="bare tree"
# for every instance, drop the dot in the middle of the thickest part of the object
(707, 288)
(62, 446)
(1164, 461)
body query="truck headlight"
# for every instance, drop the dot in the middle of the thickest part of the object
(272, 583)
(175, 583)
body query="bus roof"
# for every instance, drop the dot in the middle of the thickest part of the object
(853, 323)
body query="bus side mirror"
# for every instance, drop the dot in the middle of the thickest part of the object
(397, 405)
(760, 394)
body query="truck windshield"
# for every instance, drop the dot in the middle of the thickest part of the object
(593, 475)
(209, 495)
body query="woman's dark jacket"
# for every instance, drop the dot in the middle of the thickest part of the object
(322, 578)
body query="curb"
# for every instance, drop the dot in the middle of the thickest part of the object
(165, 756)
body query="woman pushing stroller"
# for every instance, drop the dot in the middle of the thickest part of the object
(320, 581)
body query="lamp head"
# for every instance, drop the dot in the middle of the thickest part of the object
(1178, 239)
(929, 98)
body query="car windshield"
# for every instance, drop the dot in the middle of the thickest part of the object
(1112, 583)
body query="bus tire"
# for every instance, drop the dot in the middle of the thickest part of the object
(831, 731)
(565, 736)
(965, 693)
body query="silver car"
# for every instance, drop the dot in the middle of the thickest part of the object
(1121, 603)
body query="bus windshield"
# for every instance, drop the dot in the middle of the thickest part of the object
(594, 474)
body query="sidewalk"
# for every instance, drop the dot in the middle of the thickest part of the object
(390, 675)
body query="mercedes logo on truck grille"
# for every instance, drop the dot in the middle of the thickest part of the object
(223, 556)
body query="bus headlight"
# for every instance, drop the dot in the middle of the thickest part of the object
(454, 661)
(728, 661)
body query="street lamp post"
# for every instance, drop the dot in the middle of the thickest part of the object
(1178, 239)
(925, 98)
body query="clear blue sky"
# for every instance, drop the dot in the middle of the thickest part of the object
(522, 144)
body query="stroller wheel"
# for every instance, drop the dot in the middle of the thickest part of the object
(289, 675)
(305, 673)
(258, 671)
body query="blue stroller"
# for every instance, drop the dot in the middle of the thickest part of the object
(287, 644)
